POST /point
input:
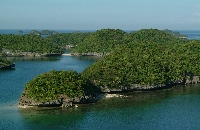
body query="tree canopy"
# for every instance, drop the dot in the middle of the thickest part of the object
(50, 85)
(151, 58)
(63, 39)
(101, 41)
(28, 43)
(146, 57)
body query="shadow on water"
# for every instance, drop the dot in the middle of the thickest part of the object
(7, 69)
(133, 107)
(143, 99)
(52, 118)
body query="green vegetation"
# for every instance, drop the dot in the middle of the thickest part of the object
(27, 43)
(152, 58)
(49, 86)
(155, 36)
(5, 63)
(64, 39)
(148, 57)
(174, 33)
(101, 41)
(105, 40)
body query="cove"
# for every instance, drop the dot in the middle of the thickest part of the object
(174, 108)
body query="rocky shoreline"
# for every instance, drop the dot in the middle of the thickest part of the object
(89, 54)
(31, 54)
(64, 101)
(139, 87)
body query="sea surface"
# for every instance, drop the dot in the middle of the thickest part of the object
(176, 108)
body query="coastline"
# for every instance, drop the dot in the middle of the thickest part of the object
(31, 54)
(24, 102)
(97, 98)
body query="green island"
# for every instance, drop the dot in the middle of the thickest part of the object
(27, 45)
(55, 88)
(148, 59)
(30, 44)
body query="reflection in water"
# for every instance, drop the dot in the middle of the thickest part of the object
(6, 69)
(52, 118)
(128, 112)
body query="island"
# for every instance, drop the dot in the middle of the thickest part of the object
(149, 59)
(27, 45)
(57, 88)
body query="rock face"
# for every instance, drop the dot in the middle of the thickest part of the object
(31, 54)
(133, 87)
(193, 80)
(62, 101)
(89, 54)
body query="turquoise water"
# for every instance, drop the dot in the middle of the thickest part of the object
(174, 108)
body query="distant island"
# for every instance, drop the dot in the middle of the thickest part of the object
(148, 59)
(27, 45)
(43, 32)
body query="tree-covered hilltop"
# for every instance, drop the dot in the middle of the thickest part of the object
(101, 41)
(146, 64)
(16, 44)
(71, 39)
(156, 36)
(105, 40)
(56, 85)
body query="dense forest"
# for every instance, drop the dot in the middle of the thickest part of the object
(105, 40)
(153, 58)
(51, 85)
(63, 39)
(26, 43)
(145, 59)
(101, 41)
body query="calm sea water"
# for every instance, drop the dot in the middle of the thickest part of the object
(175, 108)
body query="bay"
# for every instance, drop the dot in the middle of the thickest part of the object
(174, 108)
